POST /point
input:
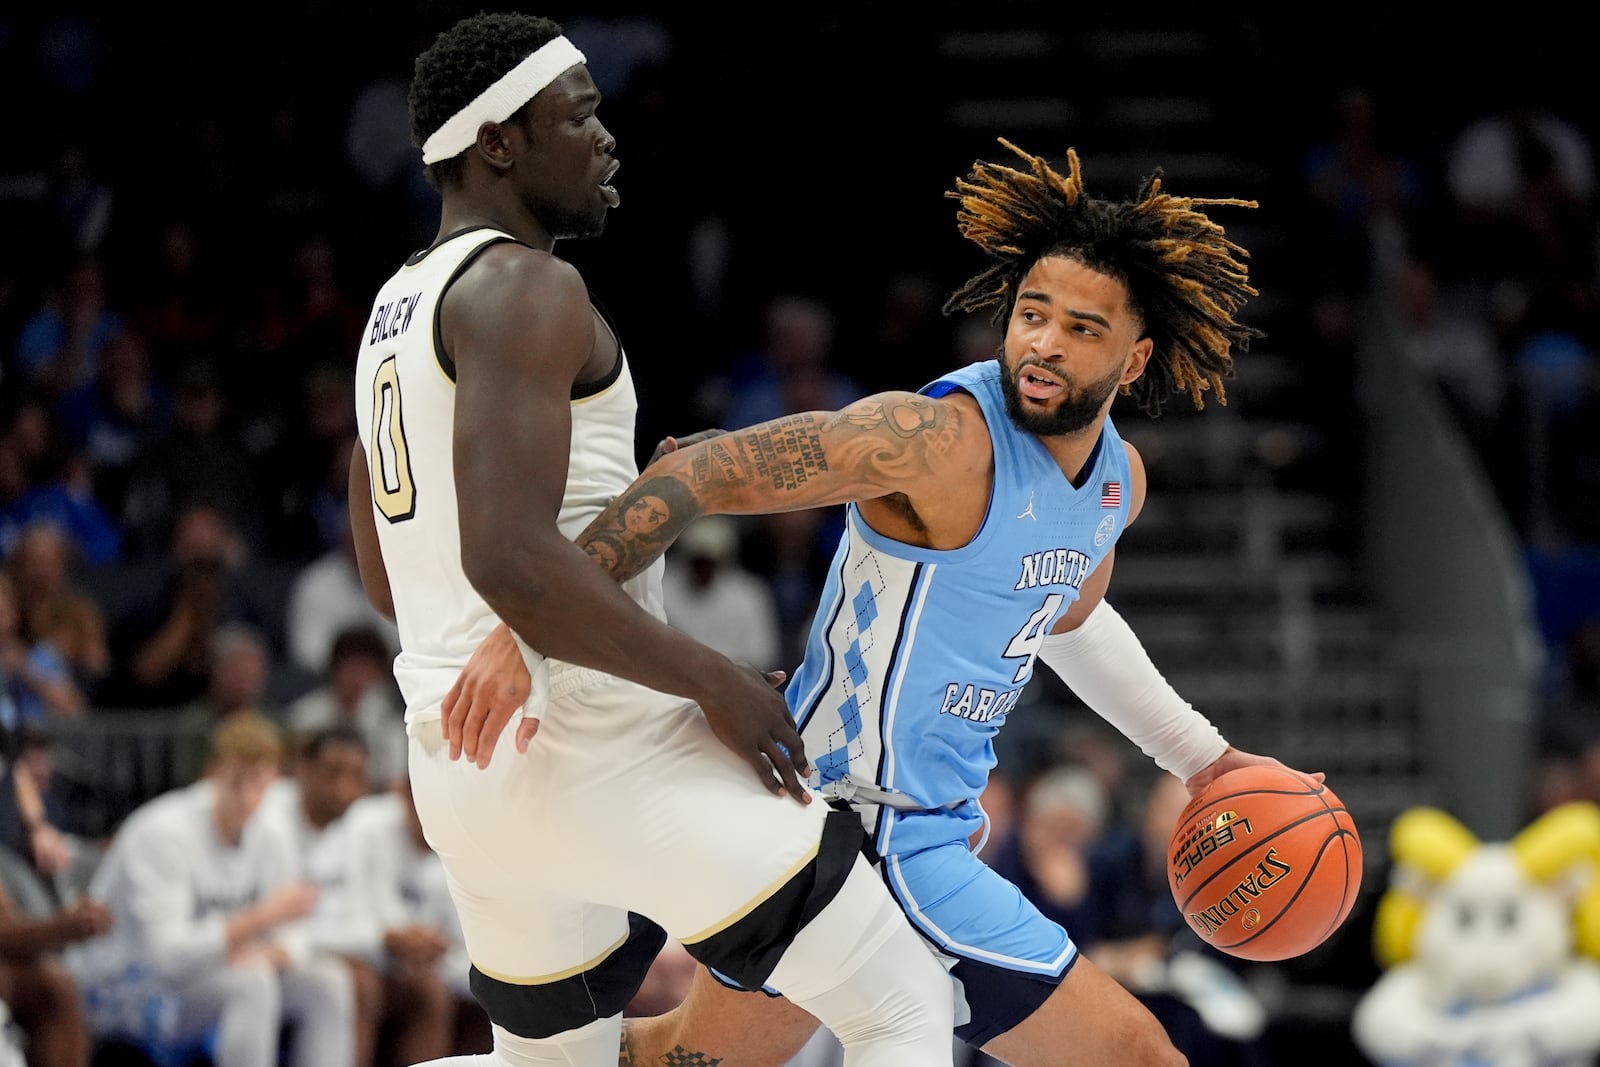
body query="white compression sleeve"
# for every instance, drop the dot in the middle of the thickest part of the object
(1105, 664)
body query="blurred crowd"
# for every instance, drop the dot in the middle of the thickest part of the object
(181, 297)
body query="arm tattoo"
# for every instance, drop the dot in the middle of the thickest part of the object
(871, 449)
(639, 525)
(785, 453)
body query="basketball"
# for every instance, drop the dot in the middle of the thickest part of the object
(1265, 863)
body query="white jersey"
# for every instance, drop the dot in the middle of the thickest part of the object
(172, 883)
(342, 922)
(405, 409)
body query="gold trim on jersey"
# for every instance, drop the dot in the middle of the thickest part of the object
(756, 901)
(546, 979)
(575, 401)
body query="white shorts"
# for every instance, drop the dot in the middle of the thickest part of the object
(625, 801)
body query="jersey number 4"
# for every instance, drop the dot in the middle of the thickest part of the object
(393, 491)
(1025, 645)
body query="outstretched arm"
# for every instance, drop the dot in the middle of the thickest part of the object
(886, 444)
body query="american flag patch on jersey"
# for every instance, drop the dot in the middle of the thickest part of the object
(1111, 494)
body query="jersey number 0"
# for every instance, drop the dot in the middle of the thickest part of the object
(393, 491)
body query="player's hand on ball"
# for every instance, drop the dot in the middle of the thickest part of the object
(490, 690)
(748, 715)
(1233, 759)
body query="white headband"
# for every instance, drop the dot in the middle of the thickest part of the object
(501, 100)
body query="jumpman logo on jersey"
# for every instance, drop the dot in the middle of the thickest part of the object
(1027, 512)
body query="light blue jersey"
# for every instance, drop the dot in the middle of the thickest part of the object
(916, 657)
(915, 660)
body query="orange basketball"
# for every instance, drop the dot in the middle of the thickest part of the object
(1265, 864)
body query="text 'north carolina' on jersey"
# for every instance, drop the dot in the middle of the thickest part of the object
(405, 409)
(916, 656)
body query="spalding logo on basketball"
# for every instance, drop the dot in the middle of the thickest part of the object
(1265, 864)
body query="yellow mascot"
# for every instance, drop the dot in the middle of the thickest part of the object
(1489, 949)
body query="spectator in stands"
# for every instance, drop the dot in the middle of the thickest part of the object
(712, 598)
(793, 369)
(399, 992)
(236, 685)
(1453, 344)
(59, 346)
(208, 946)
(42, 480)
(309, 466)
(359, 693)
(54, 611)
(175, 298)
(162, 645)
(422, 936)
(115, 419)
(326, 599)
(35, 681)
(199, 461)
(41, 995)
(36, 822)
(1062, 815)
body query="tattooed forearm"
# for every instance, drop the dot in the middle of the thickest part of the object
(894, 443)
(784, 454)
(639, 525)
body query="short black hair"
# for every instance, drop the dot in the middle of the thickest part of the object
(314, 743)
(359, 642)
(462, 62)
(1186, 281)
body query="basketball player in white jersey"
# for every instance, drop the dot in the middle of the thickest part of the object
(496, 416)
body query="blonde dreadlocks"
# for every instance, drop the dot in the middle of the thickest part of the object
(1185, 280)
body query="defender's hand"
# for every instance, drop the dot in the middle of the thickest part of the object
(1234, 758)
(494, 684)
(751, 718)
(672, 444)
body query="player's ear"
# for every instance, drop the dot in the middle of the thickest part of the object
(494, 143)
(1138, 359)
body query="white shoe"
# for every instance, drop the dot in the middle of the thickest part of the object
(1227, 1007)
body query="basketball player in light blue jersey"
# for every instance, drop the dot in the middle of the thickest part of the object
(982, 521)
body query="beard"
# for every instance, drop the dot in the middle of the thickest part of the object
(1075, 410)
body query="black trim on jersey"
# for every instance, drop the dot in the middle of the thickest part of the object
(447, 364)
(600, 385)
(547, 1009)
(747, 951)
(423, 253)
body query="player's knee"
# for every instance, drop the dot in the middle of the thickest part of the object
(546, 1009)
